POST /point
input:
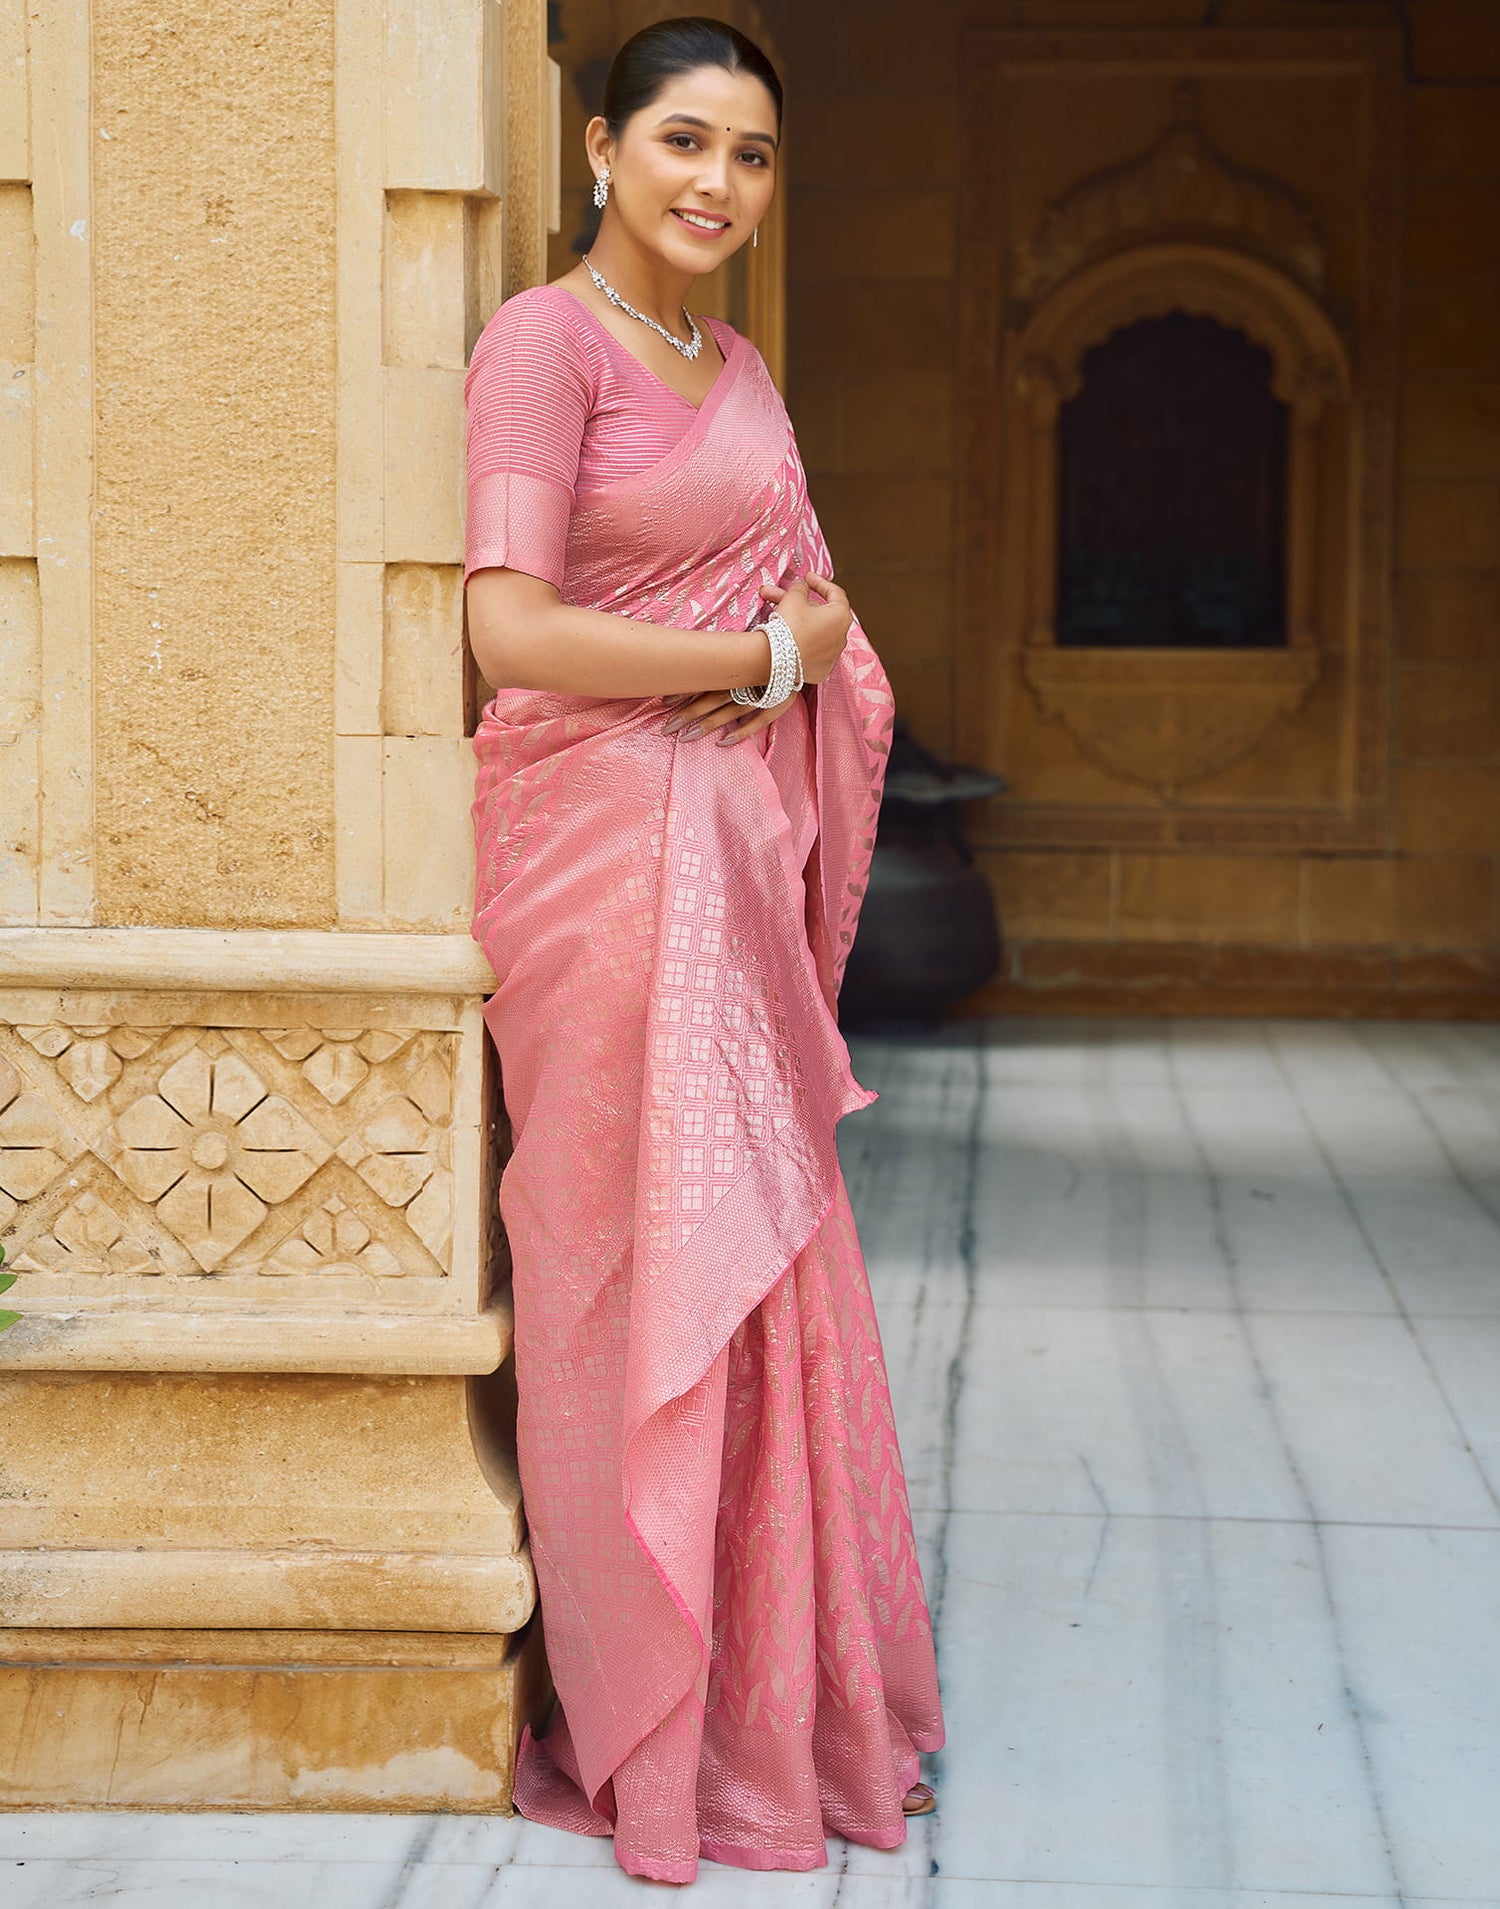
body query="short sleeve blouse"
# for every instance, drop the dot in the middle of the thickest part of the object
(556, 407)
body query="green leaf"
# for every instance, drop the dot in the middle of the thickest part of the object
(7, 1280)
(8, 1319)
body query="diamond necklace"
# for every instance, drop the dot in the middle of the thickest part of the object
(688, 351)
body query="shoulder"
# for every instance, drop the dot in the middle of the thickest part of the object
(726, 334)
(541, 332)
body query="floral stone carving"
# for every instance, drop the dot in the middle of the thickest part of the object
(36, 1143)
(213, 1148)
(92, 1058)
(190, 1150)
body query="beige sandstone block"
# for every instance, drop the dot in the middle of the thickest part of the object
(20, 740)
(1351, 902)
(60, 51)
(1449, 616)
(358, 653)
(214, 240)
(64, 1337)
(17, 532)
(246, 1720)
(429, 841)
(1061, 897)
(425, 289)
(484, 273)
(1451, 710)
(424, 465)
(1446, 901)
(262, 971)
(237, 1587)
(528, 135)
(1252, 900)
(1448, 809)
(445, 94)
(422, 677)
(1418, 902)
(359, 180)
(187, 1462)
(15, 161)
(17, 274)
(20, 821)
(358, 770)
(17, 349)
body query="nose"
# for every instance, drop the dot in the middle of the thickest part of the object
(713, 180)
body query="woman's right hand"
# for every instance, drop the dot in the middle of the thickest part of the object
(817, 612)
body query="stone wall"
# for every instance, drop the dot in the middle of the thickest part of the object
(1403, 914)
(261, 1543)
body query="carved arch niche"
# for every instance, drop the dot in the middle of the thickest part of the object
(1171, 744)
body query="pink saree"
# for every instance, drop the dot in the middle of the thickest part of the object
(732, 1605)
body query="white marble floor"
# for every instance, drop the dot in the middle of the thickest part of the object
(1194, 1331)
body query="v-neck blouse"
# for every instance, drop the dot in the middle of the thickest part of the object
(557, 406)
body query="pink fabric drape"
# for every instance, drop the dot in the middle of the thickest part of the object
(733, 1610)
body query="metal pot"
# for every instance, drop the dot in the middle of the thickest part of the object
(928, 933)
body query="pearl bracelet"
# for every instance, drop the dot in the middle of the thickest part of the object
(786, 667)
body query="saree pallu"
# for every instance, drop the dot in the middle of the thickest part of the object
(733, 1611)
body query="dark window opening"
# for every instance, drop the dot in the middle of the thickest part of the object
(1172, 493)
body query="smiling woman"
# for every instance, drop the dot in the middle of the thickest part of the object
(733, 1610)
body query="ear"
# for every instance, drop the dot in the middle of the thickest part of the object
(597, 142)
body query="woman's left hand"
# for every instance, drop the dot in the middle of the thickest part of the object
(694, 716)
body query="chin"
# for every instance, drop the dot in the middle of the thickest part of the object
(690, 255)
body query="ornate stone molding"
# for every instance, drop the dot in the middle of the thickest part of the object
(1165, 719)
(236, 1178)
(1179, 187)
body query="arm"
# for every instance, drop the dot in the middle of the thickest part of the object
(524, 637)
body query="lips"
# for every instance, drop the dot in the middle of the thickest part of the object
(707, 231)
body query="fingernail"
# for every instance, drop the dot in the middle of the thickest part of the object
(726, 742)
(673, 722)
(693, 729)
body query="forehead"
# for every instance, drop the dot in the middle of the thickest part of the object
(737, 100)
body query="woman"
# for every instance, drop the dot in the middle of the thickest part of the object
(669, 880)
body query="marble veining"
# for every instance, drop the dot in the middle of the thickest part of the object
(1194, 1337)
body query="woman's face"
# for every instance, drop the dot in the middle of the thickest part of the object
(693, 172)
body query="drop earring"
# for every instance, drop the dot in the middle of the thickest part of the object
(601, 189)
(755, 237)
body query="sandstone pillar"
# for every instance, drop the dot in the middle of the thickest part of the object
(261, 1542)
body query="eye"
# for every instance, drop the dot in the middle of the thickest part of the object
(758, 158)
(688, 141)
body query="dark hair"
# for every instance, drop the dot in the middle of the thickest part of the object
(663, 51)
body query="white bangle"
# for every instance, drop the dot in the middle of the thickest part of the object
(786, 667)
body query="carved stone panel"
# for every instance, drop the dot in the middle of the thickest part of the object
(1119, 178)
(297, 1156)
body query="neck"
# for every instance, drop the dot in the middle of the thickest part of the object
(641, 278)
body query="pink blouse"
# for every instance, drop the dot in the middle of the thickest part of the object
(556, 407)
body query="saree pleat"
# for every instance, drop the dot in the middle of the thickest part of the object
(731, 1601)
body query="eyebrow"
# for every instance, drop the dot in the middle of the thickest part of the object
(691, 119)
